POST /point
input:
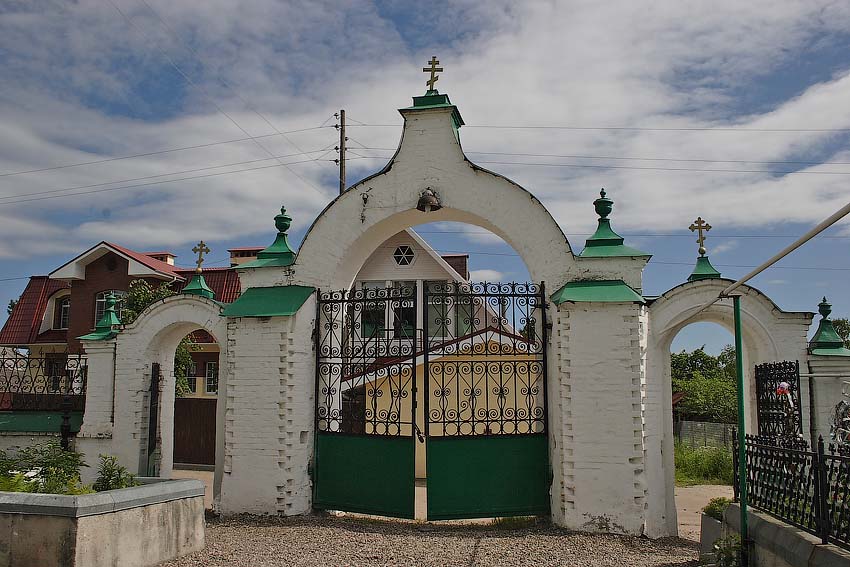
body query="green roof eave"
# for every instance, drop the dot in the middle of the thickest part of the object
(603, 291)
(612, 251)
(103, 335)
(279, 262)
(198, 286)
(834, 351)
(703, 270)
(433, 99)
(277, 301)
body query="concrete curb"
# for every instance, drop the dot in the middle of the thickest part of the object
(151, 491)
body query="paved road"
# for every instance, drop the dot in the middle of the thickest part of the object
(689, 504)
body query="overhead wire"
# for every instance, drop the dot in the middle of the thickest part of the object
(209, 97)
(636, 128)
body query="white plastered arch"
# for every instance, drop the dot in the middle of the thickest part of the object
(430, 155)
(768, 334)
(153, 337)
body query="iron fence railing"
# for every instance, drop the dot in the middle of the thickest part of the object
(807, 489)
(48, 382)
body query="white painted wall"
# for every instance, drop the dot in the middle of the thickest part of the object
(769, 334)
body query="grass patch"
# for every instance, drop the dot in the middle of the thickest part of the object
(703, 465)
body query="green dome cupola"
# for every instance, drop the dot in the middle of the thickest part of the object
(280, 253)
(703, 269)
(826, 341)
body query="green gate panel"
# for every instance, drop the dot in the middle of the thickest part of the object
(368, 474)
(487, 476)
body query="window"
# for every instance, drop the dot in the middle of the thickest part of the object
(62, 312)
(438, 313)
(403, 255)
(372, 318)
(449, 316)
(192, 377)
(100, 303)
(212, 378)
(55, 372)
(404, 310)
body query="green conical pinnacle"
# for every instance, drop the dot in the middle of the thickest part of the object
(605, 242)
(280, 253)
(826, 341)
(106, 328)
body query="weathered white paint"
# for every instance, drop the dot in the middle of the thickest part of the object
(153, 337)
(769, 334)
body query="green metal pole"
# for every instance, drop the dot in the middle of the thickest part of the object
(742, 460)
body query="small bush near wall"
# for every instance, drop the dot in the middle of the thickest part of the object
(48, 469)
(703, 465)
(716, 507)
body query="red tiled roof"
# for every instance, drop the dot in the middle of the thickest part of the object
(223, 281)
(22, 326)
(53, 336)
(246, 248)
(146, 260)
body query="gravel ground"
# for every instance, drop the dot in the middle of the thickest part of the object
(330, 542)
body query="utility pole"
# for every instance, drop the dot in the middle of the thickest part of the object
(341, 149)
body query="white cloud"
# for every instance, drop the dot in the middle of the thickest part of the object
(486, 275)
(71, 70)
(723, 247)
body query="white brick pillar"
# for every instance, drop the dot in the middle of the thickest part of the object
(100, 386)
(601, 463)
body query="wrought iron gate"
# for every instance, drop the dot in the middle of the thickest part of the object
(778, 399)
(366, 401)
(485, 403)
(479, 358)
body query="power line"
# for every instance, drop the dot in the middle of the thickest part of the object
(207, 94)
(649, 168)
(632, 128)
(45, 197)
(697, 160)
(52, 191)
(158, 152)
(635, 234)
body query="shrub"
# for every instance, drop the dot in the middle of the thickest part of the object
(716, 507)
(727, 551)
(112, 475)
(703, 465)
(45, 468)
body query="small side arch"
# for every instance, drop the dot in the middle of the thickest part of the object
(768, 334)
(153, 338)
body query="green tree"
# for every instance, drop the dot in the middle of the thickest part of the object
(11, 306)
(708, 383)
(139, 297)
(842, 327)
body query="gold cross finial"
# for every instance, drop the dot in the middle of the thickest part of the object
(700, 226)
(433, 69)
(200, 250)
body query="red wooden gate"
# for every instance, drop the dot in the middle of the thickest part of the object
(194, 431)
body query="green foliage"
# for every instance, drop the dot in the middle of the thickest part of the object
(11, 306)
(716, 507)
(709, 384)
(112, 475)
(44, 468)
(703, 465)
(842, 327)
(139, 297)
(727, 551)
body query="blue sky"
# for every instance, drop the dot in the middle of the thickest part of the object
(756, 90)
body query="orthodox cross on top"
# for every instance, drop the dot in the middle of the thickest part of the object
(700, 226)
(200, 250)
(433, 69)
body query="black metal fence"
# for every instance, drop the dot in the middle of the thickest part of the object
(48, 382)
(778, 398)
(807, 489)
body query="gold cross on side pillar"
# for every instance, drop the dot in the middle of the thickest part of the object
(700, 226)
(433, 69)
(200, 250)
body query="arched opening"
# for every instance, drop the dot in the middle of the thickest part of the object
(704, 412)
(433, 347)
(160, 348)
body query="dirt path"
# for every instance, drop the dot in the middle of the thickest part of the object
(690, 501)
